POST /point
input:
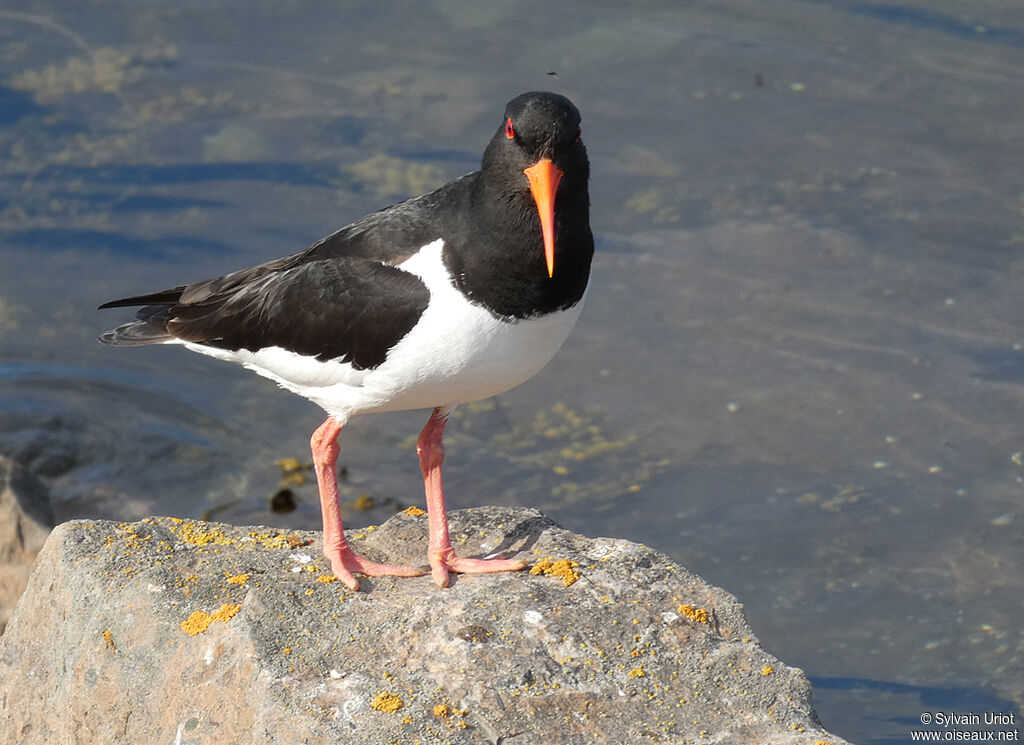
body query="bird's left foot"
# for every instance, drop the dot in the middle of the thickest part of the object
(345, 563)
(444, 562)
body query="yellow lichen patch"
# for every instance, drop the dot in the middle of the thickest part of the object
(325, 578)
(767, 670)
(414, 511)
(637, 672)
(200, 621)
(700, 615)
(236, 579)
(442, 710)
(202, 534)
(271, 539)
(197, 623)
(109, 639)
(226, 612)
(564, 569)
(278, 541)
(386, 702)
(132, 540)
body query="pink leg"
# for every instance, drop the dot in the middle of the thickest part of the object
(439, 550)
(344, 561)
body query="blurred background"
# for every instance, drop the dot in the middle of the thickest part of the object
(800, 372)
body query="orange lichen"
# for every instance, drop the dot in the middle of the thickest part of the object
(237, 579)
(442, 710)
(564, 569)
(132, 540)
(414, 511)
(271, 539)
(200, 621)
(109, 639)
(637, 672)
(196, 623)
(226, 612)
(767, 670)
(325, 578)
(700, 615)
(201, 534)
(386, 702)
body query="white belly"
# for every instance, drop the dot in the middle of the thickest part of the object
(457, 352)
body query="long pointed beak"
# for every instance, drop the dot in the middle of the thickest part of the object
(544, 178)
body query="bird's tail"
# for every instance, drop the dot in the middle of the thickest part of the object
(150, 324)
(149, 327)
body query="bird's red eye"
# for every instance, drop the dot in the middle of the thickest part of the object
(510, 131)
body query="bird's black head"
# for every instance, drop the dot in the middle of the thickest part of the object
(538, 150)
(540, 125)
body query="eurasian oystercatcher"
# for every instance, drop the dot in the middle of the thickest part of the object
(453, 296)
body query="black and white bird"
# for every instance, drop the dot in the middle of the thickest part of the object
(451, 297)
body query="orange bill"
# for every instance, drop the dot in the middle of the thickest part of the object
(544, 178)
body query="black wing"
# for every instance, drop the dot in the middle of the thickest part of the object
(342, 298)
(351, 310)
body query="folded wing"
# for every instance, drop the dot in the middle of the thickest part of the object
(347, 309)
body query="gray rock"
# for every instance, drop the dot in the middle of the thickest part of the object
(164, 631)
(25, 521)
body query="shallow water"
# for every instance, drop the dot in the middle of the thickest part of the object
(800, 368)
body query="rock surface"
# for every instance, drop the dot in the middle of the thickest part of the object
(25, 521)
(170, 631)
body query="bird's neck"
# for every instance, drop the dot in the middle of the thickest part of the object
(499, 261)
